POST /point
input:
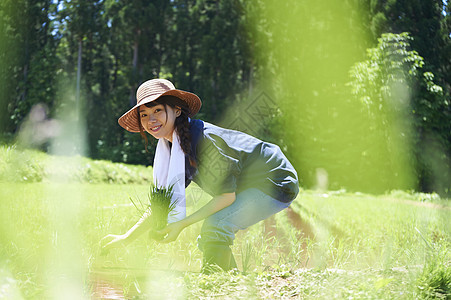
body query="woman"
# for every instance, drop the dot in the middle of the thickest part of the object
(249, 179)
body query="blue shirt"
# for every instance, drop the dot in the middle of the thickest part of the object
(232, 161)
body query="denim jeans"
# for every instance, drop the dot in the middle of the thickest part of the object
(250, 207)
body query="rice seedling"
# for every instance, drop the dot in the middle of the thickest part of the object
(158, 208)
(246, 256)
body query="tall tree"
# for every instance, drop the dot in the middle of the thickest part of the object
(427, 22)
(208, 51)
(80, 23)
(400, 133)
(424, 20)
(445, 56)
(29, 62)
(135, 50)
(138, 23)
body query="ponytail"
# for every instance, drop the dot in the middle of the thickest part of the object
(182, 129)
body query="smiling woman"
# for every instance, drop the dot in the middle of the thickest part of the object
(249, 179)
(159, 120)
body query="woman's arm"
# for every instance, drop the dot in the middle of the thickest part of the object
(114, 241)
(215, 205)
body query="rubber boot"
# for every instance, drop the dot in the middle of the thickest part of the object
(217, 257)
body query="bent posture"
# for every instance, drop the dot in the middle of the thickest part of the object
(249, 179)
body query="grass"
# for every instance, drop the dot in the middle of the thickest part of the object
(361, 246)
(332, 245)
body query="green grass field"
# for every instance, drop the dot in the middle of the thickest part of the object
(343, 246)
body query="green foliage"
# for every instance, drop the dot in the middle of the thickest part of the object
(390, 63)
(18, 165)
(428, 23)
(406, 109)
(28, 62)
(424, 20)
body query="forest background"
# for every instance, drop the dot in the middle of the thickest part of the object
(355, 90)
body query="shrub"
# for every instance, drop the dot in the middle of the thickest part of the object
(24, 165)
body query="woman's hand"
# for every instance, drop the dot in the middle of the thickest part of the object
(171, 232)
(112, 241)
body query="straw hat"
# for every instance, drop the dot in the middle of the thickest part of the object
(150, 91)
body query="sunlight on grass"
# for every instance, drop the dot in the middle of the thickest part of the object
(371, 246)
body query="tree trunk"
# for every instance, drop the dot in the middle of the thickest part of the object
(135, 68)
(251, 76)
(23, 95)
(77, 93)
(47, 22)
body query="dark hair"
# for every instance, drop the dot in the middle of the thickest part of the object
(181, 124)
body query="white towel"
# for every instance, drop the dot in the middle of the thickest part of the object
(169, 169)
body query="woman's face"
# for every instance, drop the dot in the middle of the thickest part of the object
(159, 120)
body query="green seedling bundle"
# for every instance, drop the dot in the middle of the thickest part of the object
(158, 207)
